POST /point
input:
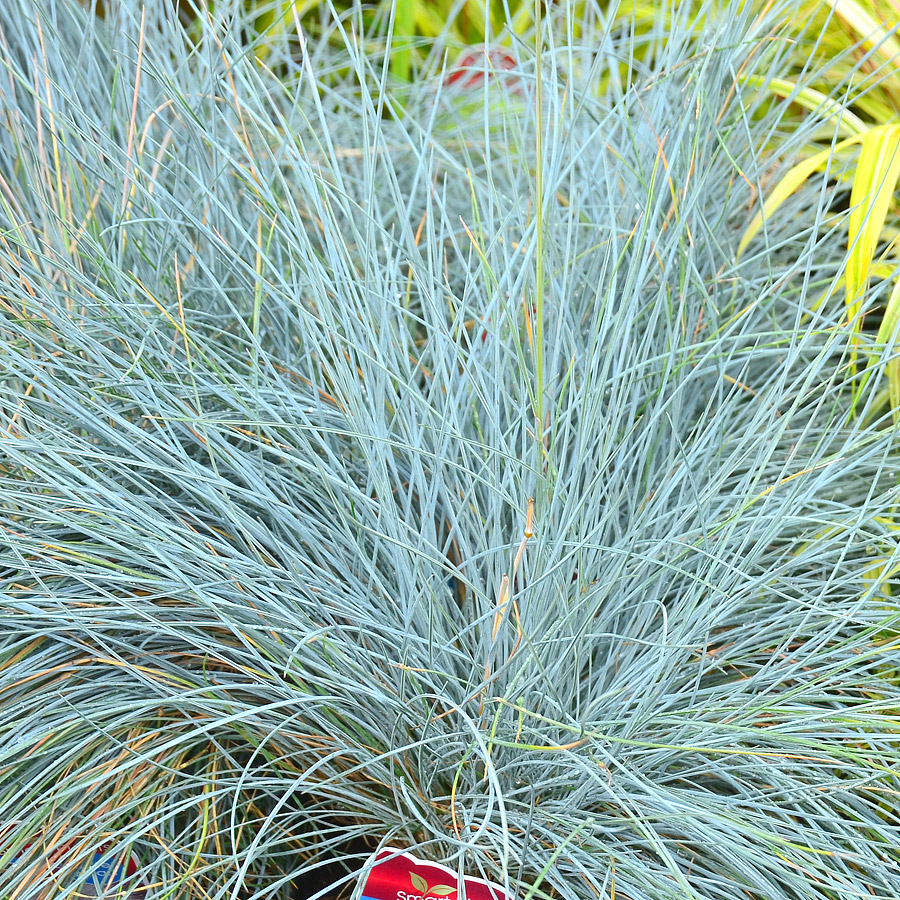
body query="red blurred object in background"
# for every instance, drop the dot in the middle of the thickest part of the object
(473, 64)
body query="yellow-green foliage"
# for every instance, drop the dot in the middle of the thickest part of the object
(416, 24)
(858, 90)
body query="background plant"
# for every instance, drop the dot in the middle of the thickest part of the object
(856, 89)
(273, 596)
(408, 32)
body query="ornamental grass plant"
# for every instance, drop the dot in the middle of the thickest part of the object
(376, 472)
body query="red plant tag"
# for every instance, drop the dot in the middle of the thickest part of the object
(397, 875)
(473, 64)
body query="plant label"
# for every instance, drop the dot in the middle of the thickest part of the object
(397, 875)
(108, 872)
(474, 64)
(105, 872)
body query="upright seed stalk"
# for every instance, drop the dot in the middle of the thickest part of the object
(539, 226)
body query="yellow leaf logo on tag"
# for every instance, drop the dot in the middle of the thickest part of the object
(421, 885)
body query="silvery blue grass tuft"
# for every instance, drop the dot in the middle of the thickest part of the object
(274, 594)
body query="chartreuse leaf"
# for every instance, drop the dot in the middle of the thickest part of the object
(404, 29)
(886, 332)
(873, 25)
(522, 19)
(849, 124)
(789, 184)
(429, 21)
(879, 270)
(873, 34)
(874, 180)
(273, 20)
(476, 21)
(876, 177)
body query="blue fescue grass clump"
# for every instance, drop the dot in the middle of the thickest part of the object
(274, 590)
